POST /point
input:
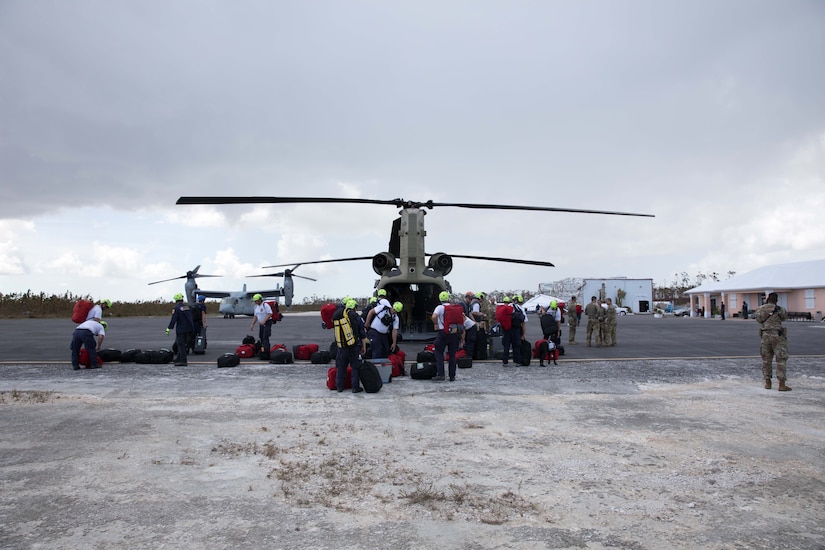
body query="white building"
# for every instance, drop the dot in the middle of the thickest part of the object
(638, 293)
(800, 287)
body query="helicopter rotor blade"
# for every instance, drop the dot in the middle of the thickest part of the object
(400, 203)
(320, 262)
(505, 260)
(167, 280)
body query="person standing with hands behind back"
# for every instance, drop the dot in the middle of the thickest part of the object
(774, 340)
(262, 316)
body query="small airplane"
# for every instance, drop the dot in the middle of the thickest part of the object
(404, 272)
(236, 302)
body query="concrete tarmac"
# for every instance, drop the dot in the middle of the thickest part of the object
(639, 337)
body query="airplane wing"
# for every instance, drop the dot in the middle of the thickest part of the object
(213, 293)
(265, 293)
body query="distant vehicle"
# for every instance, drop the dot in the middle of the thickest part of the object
(619, 309)
(681, 312)
(541, 300)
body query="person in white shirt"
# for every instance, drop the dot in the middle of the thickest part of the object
(379, 322)
(262, 316)
(88, 334)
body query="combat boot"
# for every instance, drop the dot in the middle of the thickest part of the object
(767, 383)
(783, 387)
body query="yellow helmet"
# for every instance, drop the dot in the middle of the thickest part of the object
(506, 299)
(382, 292)
(554, 304)
(178, 297)
(398, 306)
(350, 304)
(444, 296)
(257, 297)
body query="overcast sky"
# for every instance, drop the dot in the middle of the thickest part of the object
(707, 114)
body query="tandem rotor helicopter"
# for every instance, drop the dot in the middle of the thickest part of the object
(238, 302)
(404, 271)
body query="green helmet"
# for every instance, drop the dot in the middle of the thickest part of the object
(519, 298)
(350, 304)
(178, 297)
(398, 306)
(105, 325)
(506, 299)
(554, 304)
(107, 303)
(257, 297)
(382, 292)
(373, 299)
(480, 295)
(444, 296)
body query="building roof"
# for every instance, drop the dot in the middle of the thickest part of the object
(789, 276)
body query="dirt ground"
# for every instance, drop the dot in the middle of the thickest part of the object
(612, 454)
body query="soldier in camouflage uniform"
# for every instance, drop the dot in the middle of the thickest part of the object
(774, 340)
(592, 312)
(609, 336)
(572, 321)
(601, 339)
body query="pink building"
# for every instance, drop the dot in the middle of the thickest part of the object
(800, 286)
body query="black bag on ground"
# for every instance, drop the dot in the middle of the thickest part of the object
(199, 348)
(248, 339)
(129, 355)
(425, 356)
(228, 360)
(109, 355)
(370, 377)
(480, 353)
(526, 353)
(465, 362)
(281, 357)
(423, 371)
(154, 357)
(320, 357)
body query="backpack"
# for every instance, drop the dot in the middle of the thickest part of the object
(386, 317)
(327, 313)
(81, 310)
(504, 315)
(276, 311)
(344, 333)
(453, 318)
(518, 317)
(549, 324)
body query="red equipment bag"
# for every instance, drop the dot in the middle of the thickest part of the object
(397, 360)
(326, 314)
(504, 315)
(276, 311)
(83, 358)
(246, 351)
(80, 311)
(277, 347)
(453, 318)
(303, 352)
(333, 372)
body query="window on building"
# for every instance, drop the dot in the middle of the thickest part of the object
(732, 302)
(809, 299)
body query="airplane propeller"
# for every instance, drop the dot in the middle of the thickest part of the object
(286, 272)
(193, 274)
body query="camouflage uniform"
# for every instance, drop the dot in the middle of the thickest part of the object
(572, 321)
(609, 335)
(601, 340)
(592, 312)
(774, 340)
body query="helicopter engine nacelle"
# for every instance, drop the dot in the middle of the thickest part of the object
(441, 263)
(383, 262)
